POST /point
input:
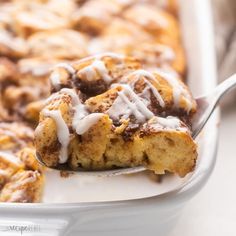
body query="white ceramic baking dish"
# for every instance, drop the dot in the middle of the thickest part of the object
(128, 205)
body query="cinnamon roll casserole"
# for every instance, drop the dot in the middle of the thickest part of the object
(92, 84)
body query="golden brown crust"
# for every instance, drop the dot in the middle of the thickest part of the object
(168, 151)
(155, 21)
(83, 147)
(9, 165)
(21, 178)
(24, 186)
(32, 111)
(14, 136)
(27, 156)
(46, 139)
(50, 44)
(12, 46)
(30, 18)
(94, 21)
(8, 71)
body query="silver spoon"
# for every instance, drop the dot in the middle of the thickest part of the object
(206, 105)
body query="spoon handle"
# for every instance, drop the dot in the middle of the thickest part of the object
(206, 104)
(225, 87)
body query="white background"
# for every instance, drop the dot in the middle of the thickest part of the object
(213, 210)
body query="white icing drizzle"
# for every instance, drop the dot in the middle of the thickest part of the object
(169, 123)
(57, 95)
(127, 103)
(63, 133)
(132, 106)
(55, 79)
(80, 113)
(91, 71)
(51, 98)
(66, 66)
(83, 125)
(143, 73)
(72, 94)
(178, 89)
(82, 120)
(10, 158)
(98, 66)
(55, 76)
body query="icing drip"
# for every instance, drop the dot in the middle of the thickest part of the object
(90, 71)
(83, 125)
(66, 66)
(82, 121)
(63, 133)
(169, 123)
(55, 79)
(97, 67)
(178, 89)
(10, 158)
(127, 103)
(55, 76)
(80, 113)
(143, 73)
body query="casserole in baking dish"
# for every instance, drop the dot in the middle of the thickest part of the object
(93, 205)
